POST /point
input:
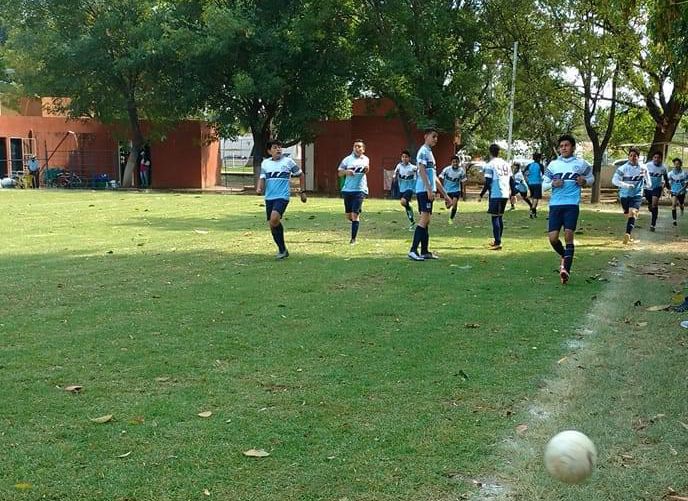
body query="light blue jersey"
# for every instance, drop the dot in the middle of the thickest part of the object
(276, 174)
(631, 180)
(657, 174)
(678, 180)
(452, 178)
(569, 170)
(406, 173)
(499, 172)
(359, 181)
(534, 172)
(426, 159)
(520, 181)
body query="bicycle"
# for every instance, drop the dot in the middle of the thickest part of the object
(66, 179)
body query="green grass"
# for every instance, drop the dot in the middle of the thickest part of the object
(347, 364)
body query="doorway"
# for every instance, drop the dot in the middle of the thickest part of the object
(16, 155)
(3, 157)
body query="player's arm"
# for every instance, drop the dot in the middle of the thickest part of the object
(487, 185)
(344, 170)
(440, 188)
(547, 180)
(617, 180)
(260, 185)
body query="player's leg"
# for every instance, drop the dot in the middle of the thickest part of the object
(356, 206)
(454, 207)
(555, 222)
(655, 208)
(674, 204)
(406, 204)
(274, 210)
(420, 234)
(496, 208)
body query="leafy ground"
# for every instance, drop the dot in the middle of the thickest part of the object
(365, 376)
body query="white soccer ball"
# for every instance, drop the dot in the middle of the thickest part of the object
(570, 456)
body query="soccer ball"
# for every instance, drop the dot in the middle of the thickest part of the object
(570, 456)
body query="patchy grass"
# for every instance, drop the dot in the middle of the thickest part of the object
(355, 368)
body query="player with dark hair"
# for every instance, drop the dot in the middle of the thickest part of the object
(631, 178)
(499, 181)
(453, 178)
(678, 182)
(353, 169)
(405, 173)
(658, 178)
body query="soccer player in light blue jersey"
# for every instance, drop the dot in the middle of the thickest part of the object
(678, 182)
(565, 176)
(533, 173)
(354, 169)
(453, 178)
(426, 185)
(521, 187)
(658, 176)
(275, 173)
(499, 181)
(631, 178)
(405, 173)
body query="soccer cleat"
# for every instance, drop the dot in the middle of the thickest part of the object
(652, 228)
(414, 256)
(352, 241)
(412, 227)
(512, 208)
(564, 275)
(429, 255)
(495, 246)
(627, 238)
(282, 255)
(675, 224)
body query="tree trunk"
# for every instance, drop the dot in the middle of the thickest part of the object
(597, 155)
(664, 133)
(129, 178)
(261, 135)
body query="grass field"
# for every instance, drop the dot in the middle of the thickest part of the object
(364, 375)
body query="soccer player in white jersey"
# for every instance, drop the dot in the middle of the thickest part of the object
(453, 178)
(658, 177)
(565, 176)
(426, 185)
(405, 173)
(275, 173)
(678, 182)
(354, 169)
(499, 181)
(521, 187)
(631, 178)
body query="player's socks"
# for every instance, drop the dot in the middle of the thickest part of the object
(424, 242)
(417, 237)
(453, 212)
(558, 247)
(501, 227)
(409, 213)
(630, 224)
(530, 204)
(655, 213)
(568, 257)
(278, 236)
(496, 230)
(673, 214)
(354, 229)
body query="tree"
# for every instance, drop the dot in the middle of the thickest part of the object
(275, 67)
(111, 59)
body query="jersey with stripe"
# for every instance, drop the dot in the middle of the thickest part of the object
(276, 174)
(678, 180)
(426, 158)
(520, 181)
(569, 170)
(499, 173)
(631, 180)
(657, 173)
(452, 178)
(359, 181)
(406, 173)
(534, 172)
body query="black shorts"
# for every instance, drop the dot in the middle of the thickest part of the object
(407, 195)
(454, 194)
(628, 203)
(496, 206)
(652, 192)
(535, 191)
(563, 215)
(424, 204)
(353, 201)
(277, 205)
(680, 197)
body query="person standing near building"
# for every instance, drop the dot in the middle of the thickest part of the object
(144, 170)
(275, 173)
(658, 177)
(34, 169)
(353, 169)
(565, 176)
(405, 174)
(427, 184)
(533, 173)
(631, 178)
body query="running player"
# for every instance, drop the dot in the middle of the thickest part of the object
(426, 185)
(275, 172)
(533, 173)
(521, 187)
(405, 172)
(631, 177)
(499, 181)
(678, 181)
(652, 193)
(353, 169)
(565, 176)
(454, 177)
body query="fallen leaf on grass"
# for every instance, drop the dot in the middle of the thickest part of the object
(23, 486)
(205, 414)
(521, 429)
(206, 492)
(200, 232)
(677, 298)
(562, 360)
(641, 324)
(162, 379)
(256, 453)
(660, 307)
(471, 326)
(74, 388)
(684, 425)
(102, 419)
(126, 454)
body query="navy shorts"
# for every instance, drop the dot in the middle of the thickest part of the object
(653, 192)
(424, 204)
(496, 206)
(681, 197)
(535, 191)
(353, 201)
(563, 215)
(454, 194)
(628, 203)
(407, 195)
(277, 205)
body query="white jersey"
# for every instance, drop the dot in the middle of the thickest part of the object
(500, 173)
